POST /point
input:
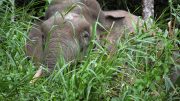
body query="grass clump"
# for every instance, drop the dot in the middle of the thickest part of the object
(137, 71)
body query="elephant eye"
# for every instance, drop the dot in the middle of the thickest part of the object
(85, 34)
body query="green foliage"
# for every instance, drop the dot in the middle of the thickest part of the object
(175, 9)
(134, 6)
(137, 71)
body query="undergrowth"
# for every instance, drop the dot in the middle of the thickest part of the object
(138, 71)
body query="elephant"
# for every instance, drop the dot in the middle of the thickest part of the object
(66, 31)
(61, 35)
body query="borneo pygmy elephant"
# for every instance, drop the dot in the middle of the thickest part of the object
(65, 32)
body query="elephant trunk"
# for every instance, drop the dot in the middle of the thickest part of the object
(60, 48)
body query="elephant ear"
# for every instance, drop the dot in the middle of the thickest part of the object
(124, 18)
(114, 14)
(34, 45)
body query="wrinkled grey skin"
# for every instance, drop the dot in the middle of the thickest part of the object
(34, 46)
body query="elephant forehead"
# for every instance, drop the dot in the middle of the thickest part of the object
(57, 19)
(71, 23)
(75, 18)
(77, 21)
(71, 16)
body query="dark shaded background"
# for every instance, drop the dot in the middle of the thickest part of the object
(162, 9)
(134, 6)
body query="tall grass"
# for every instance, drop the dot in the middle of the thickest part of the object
(137, 71)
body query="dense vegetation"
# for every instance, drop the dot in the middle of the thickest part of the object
(138, 71)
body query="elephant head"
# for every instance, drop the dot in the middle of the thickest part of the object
(63, 34)
(66, 37)
(59, 37)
